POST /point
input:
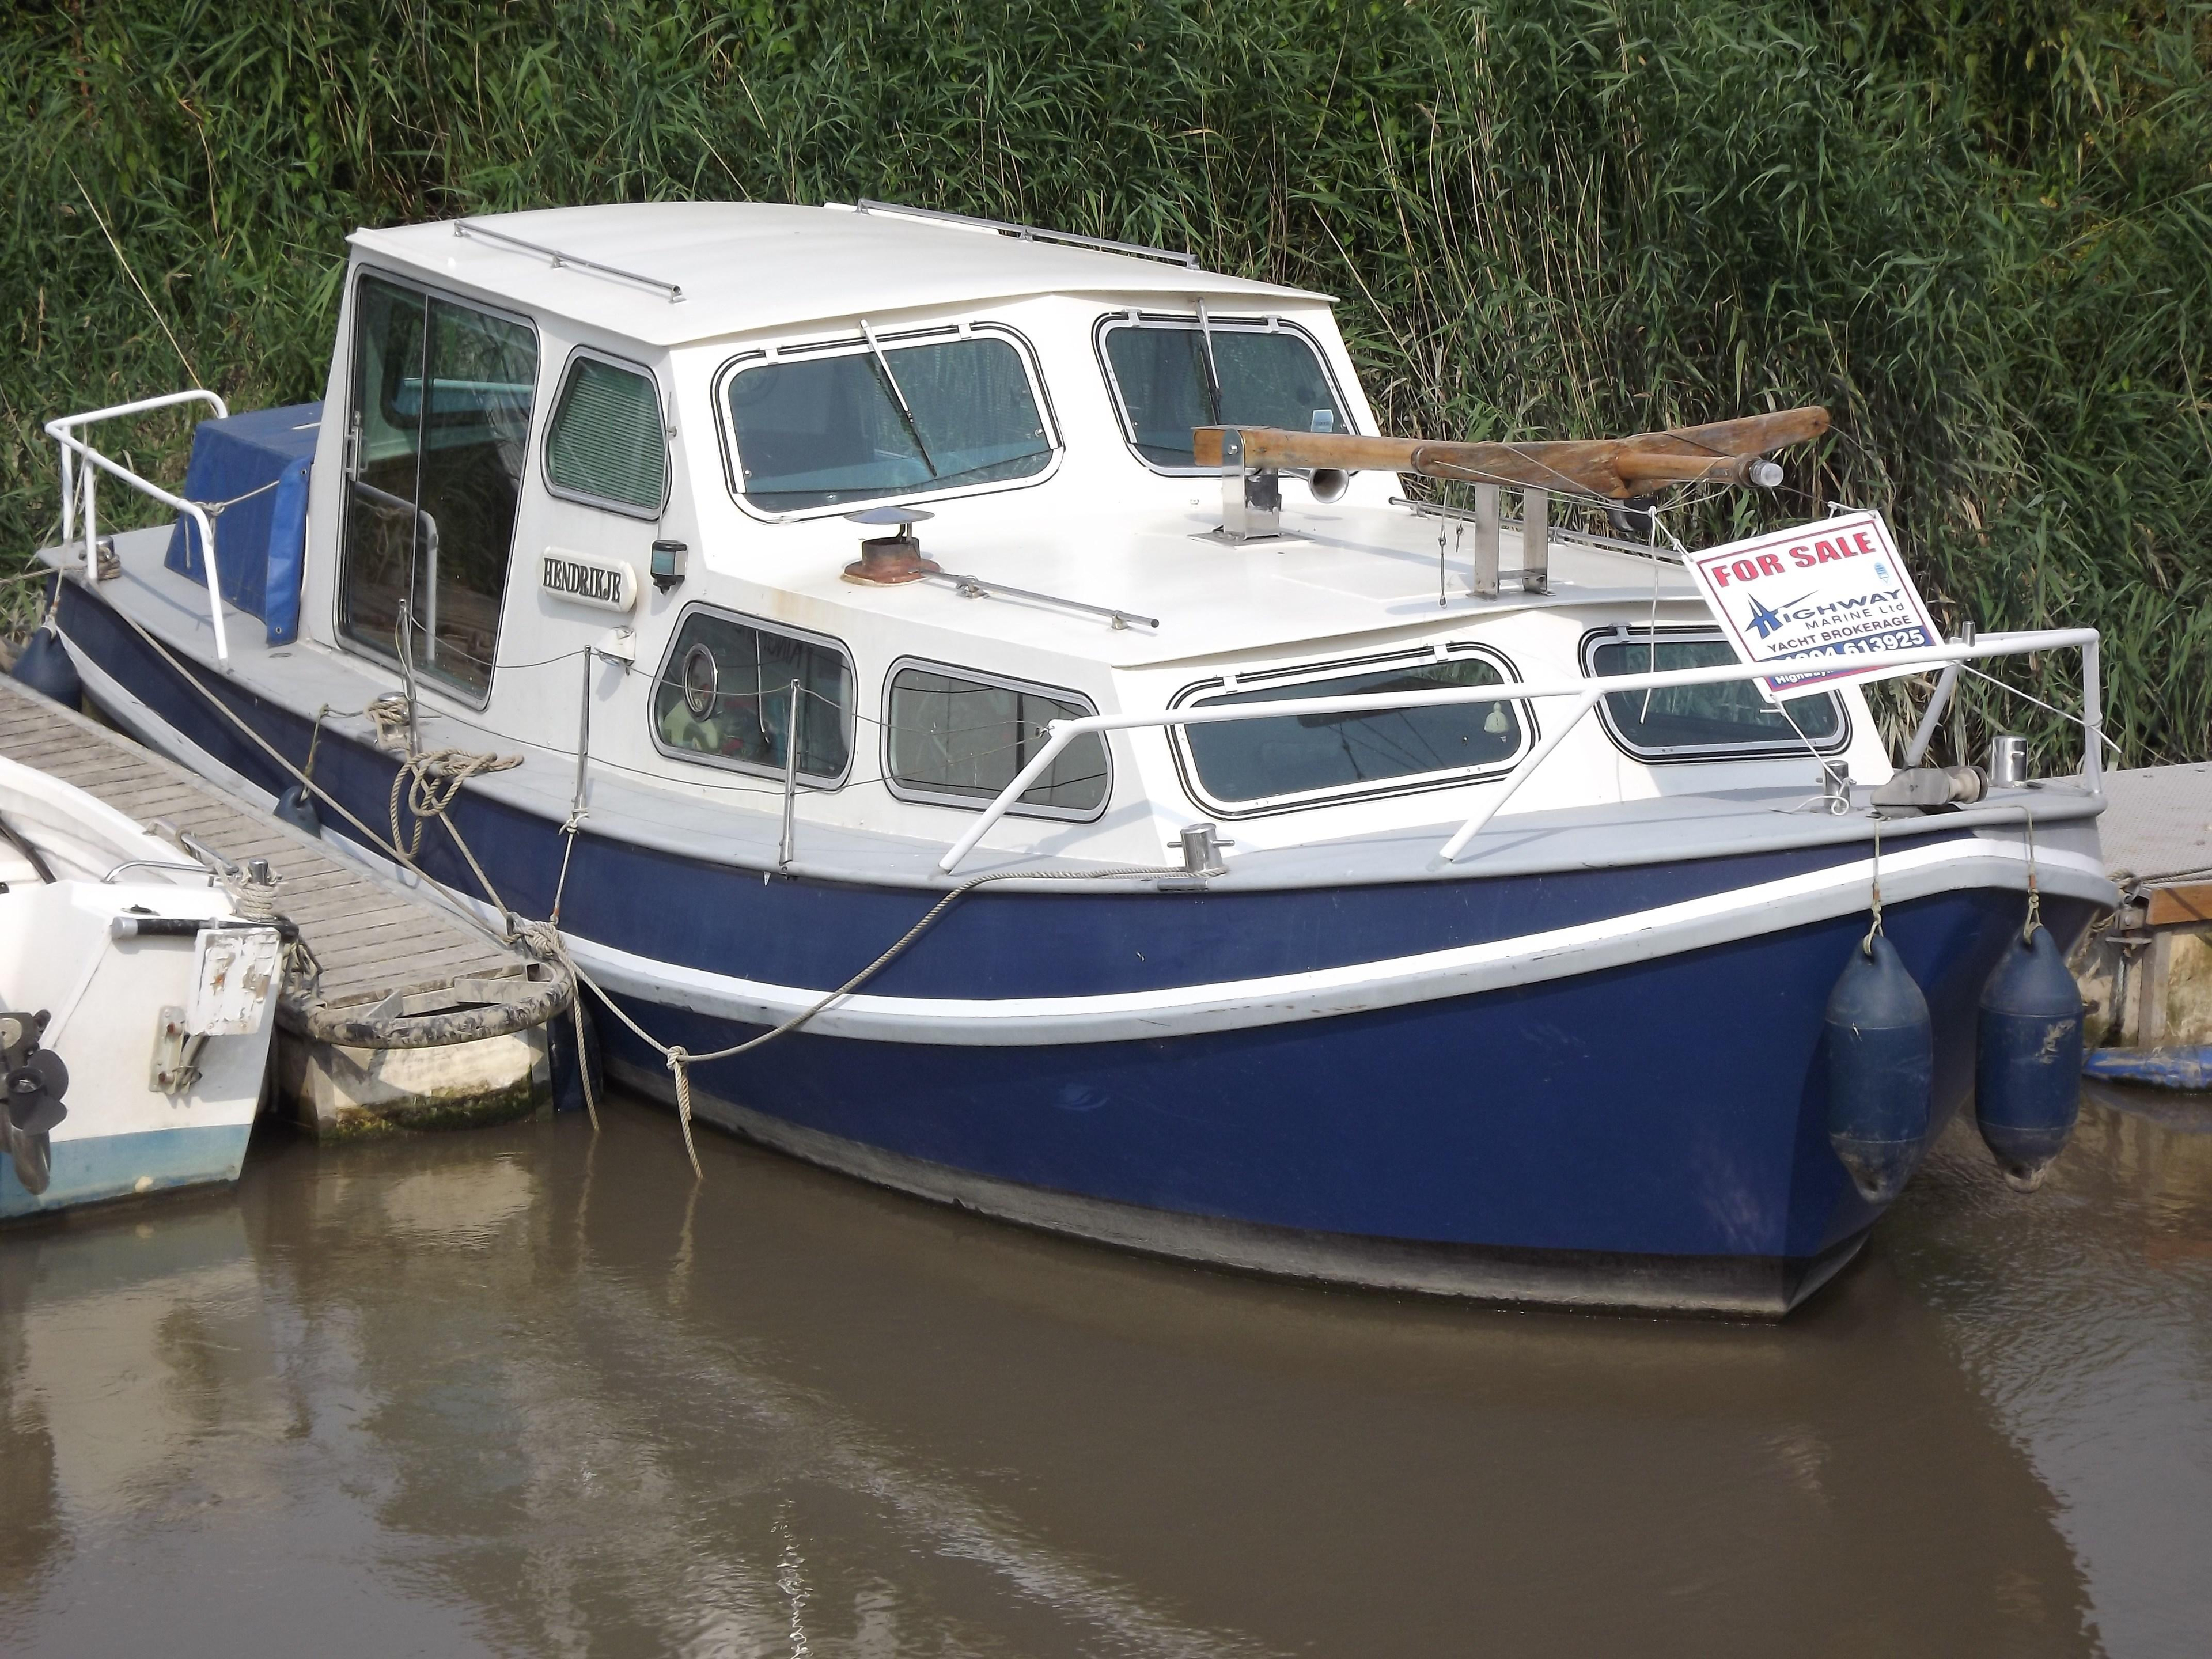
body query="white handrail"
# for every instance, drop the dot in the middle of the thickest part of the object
(62, 431)
(1060, 734)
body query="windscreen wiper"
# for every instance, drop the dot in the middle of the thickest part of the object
(891, 382)
(1212, 368)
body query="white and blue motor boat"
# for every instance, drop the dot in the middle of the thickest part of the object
(1374, 890)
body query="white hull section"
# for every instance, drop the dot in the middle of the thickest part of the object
(112, 1002)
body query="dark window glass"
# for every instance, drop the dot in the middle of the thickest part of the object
(605, 440)
(1262, 759)
(433, 482)
(959, 737)
(1732, 716)
(815, 431)
(725, 692)
(1266, 380)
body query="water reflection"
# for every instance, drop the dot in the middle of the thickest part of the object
(524, 1391)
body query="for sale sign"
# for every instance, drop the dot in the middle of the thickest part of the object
(1833, 596)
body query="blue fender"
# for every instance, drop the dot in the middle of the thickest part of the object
(1882, 1070)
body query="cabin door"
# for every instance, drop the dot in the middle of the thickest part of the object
(437, 433)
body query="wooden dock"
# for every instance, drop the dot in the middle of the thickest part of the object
(376, 940)
(2149, 976)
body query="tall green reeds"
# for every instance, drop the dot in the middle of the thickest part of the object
(1983, 236)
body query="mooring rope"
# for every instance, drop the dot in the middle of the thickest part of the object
(547, 937)
(545, 940)
(462, 910)
(680, 1063)
(583, 1055)
(431, 782)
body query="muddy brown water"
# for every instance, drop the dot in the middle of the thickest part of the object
(525, 1391)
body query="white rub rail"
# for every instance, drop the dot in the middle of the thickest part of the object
(85, 502)
(1584, 693)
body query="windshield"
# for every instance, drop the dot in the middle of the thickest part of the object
(823, 431)
(1168, 384)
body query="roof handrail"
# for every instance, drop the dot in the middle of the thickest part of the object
(1031, 232)
(560, 260)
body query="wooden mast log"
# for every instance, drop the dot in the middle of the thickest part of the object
(1614, 468)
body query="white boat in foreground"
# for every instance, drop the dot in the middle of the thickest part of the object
(136, 1005)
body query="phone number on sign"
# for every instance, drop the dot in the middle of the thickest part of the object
(1896, 638)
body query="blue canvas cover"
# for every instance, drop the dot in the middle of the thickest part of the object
(253, 468)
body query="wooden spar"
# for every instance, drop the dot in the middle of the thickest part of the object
(1615, 468)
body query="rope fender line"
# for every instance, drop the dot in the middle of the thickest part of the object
(1866, 943)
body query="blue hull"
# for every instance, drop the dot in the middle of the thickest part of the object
(1661, 1129)
(102, 1167)
(1646, 1134)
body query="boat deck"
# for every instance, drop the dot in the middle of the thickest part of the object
(373, 936)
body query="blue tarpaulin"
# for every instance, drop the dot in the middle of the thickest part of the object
(250, 471)
(2160, 1068)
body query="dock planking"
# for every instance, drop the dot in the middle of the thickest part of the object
(373, 936)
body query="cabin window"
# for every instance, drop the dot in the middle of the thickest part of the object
(724, 695)
(956, 738)
(1169, 375)
(605, 445)
(1260, 764)
(903, 419)
(1689, 722)
(438, 430)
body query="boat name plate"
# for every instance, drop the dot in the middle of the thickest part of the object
(603, 583)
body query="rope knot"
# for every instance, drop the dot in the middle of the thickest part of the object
(679, 1061)
(432, 781)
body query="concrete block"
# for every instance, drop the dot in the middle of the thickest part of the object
(338, 1093)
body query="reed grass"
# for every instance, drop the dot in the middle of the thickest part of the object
(1985, 240)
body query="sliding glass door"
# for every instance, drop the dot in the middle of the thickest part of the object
(437, 436)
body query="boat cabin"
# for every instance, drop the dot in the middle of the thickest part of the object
(588, 478)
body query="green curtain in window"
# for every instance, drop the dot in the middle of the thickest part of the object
(606, 439)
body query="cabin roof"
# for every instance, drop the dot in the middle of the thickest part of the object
(745, 266)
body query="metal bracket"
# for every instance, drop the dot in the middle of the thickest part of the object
(1535, 541)
(1251, 497)
(175, 1066)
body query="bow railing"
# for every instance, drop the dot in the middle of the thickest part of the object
(81, 489)
(1582, 693)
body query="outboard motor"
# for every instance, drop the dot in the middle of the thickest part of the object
(1882, 1070)
(35, 1081)
(46, 667)
(2027, 1060)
